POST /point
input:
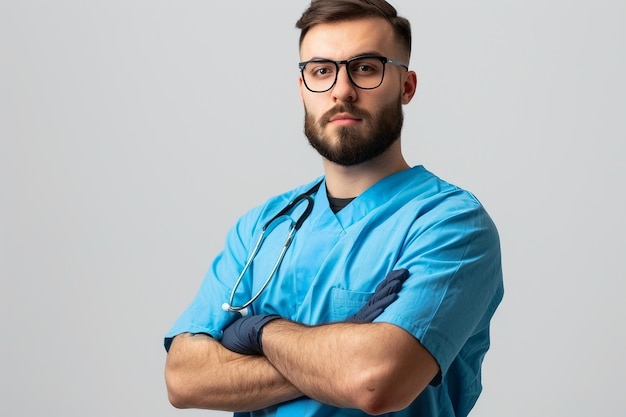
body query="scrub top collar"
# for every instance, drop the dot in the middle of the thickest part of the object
(322, 217)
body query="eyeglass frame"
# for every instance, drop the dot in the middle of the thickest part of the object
(383, 59)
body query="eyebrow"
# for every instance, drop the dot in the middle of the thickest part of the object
(376, 53)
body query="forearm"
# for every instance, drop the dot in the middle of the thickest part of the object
(375, 367)
(201, 373)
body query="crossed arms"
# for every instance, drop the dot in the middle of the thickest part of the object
(375, 367)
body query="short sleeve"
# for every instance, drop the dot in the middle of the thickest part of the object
(455, 282)
(205, 313)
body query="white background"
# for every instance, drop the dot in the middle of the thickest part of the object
(133, 133)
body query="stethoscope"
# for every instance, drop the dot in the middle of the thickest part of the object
(295, 226)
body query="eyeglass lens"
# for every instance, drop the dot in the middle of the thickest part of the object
(365, 73)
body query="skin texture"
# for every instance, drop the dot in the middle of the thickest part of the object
(343, 40)
(201, 373)
(354, 145)
(329, 362)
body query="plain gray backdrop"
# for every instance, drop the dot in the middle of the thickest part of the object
(133, 133)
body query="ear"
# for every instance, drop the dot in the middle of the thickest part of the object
(302, 87)
(409, 87)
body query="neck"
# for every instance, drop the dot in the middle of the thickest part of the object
(348, 182)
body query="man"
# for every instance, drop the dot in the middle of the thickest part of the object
(382, 302)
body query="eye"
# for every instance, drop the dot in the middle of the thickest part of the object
(320, 69)
(365, 67)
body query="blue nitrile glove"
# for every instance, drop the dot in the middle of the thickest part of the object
(244, 334)
(386, 293)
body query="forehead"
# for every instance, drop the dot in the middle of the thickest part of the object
(345, 39)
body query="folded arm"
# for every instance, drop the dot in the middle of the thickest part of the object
(201, 373)
(264, 360)
(375, 367)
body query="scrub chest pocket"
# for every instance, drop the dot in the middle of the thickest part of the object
(346, 303)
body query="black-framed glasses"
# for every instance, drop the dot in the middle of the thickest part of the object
(365, 72)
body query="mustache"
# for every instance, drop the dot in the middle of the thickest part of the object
(343, 108)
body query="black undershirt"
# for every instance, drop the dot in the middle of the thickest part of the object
(337, 204)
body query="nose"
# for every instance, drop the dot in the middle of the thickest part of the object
(344, 90)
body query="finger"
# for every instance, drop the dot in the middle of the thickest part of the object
(371, 315)
(396, 275)
(392, 287)
(384, 302)
(372, 310)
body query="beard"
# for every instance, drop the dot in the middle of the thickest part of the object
(355, 144)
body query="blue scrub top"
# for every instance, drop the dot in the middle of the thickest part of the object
(413, 220)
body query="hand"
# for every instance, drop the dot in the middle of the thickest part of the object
(386, 293)
(244, 334)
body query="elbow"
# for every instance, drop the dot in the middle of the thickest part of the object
(181, 382)
(383, 391)
(373, 404)
(376, 402)
(176, 401)
(396, 377)
(186, 370)
(177, 392)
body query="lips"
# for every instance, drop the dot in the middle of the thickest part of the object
(343, 117)
(343, 114)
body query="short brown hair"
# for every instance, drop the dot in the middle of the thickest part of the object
(329, 11)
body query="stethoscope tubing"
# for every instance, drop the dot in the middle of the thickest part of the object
(295, 226)
(243, 308)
